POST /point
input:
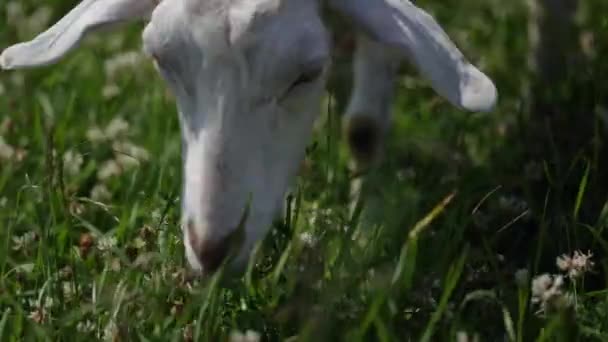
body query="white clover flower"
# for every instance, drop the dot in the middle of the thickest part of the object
(7, 122)
(72, 162)
(7, 152)
(110, 331)
(576, 265)
(122, 61)
(248, 336)
(24, 241)
(85, 327)
(38, 315)
(126, 162)
(308, 239)
(95, 134)
(100, 193)
(66, 272)
(68, 289)
(105, 243)
(110, 90)
(47, 302)
(549, 295)
(131, 150)
(463, 336)
(116, 128)
(108, 170)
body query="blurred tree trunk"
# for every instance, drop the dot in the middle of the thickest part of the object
(554, 39)
(563, 136)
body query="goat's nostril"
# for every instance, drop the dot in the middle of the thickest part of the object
(210, 253)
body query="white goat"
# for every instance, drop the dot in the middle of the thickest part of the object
(248, 77)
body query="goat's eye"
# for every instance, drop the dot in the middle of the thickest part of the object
(305, 78)
(308, 76)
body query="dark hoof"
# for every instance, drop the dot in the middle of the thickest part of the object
(363, 134)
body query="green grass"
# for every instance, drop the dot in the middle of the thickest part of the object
(449, 217)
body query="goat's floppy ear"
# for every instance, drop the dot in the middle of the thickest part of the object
(402, 25)
(54, 43)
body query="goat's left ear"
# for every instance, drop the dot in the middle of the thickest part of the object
(402, 25)
(54, 43)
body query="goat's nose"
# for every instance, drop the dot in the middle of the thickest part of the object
(210, 253)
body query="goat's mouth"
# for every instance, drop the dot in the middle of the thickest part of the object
(213, 255)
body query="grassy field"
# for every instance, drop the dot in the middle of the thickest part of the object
(450, 244)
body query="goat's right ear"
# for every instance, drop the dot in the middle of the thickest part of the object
(417, 36)
(51, 45)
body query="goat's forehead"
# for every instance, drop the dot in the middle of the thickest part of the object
(237, 15)
(209, 6)
(220, 25)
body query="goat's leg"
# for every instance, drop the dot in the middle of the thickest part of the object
(368, 115)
